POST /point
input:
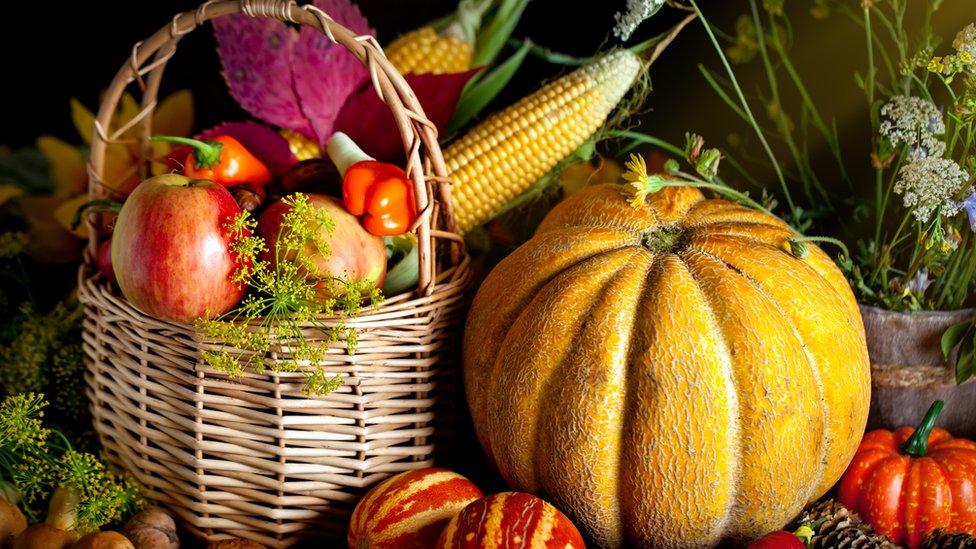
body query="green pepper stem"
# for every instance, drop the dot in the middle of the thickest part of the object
(344, 152)
(918, 444)
(206, 154)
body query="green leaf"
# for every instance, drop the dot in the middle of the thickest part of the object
(952, 336)
(964, 363)
(481, 93)
(404, 262)
(554, 57)
(493, 36)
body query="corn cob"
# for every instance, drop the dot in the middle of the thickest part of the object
(504, 155)
(444, 47)
(302, 147)
(423, 50)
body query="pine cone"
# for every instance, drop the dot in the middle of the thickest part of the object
(940, 539)
(840, 528)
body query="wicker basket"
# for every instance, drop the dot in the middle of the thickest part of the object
(253, 457)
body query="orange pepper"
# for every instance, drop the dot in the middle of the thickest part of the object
(221, 159)
(381, 193)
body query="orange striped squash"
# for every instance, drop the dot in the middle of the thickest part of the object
(409, 510)
(670, 375)
(510, 520)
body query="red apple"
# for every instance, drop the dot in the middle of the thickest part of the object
(171, 252)
(105, 261)
(356, 255)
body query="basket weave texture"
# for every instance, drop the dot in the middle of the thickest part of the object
(254, 457)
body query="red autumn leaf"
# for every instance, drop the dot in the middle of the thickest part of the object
(368, 121)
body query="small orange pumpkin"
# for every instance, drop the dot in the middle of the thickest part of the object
(909, 482)
(667, 375)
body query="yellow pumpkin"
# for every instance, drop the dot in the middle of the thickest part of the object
(670, 375)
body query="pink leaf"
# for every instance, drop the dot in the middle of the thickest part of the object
(257, 53)
(368, 121)
(326, 73)
(264, 143)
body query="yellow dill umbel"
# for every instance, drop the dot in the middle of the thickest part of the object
(424, 50)
(502, 157)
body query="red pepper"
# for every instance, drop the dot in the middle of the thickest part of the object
(221, 159)
(779, 539)
(380, 193)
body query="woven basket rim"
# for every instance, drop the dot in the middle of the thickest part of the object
(424, 161)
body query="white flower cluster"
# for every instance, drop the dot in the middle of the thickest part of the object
(914, 122)
(965, 41)
(930, 183)
(637, 12)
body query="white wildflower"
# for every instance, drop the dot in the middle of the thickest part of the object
(916, 123)
(929, 184)
(965, 41)
(637, 12)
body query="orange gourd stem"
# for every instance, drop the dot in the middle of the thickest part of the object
(380, 194)
(918, 444)
(222, 159)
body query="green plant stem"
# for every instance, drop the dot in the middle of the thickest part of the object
(824, 239)
(869, 81)
(944, 284)
(878, 203)
(643, 138)
(745, 105)
(818, 121)
(725, 190)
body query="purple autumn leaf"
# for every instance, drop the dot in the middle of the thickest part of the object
(368, 121)
(325, 74)
(256, 53)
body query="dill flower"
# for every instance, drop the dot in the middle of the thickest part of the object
(637, 12)
(12, 244)
(929, 184)
(20, 421)
(916, 123)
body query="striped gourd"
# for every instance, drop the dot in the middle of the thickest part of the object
(504, 155)
(510, 519)
(424, 50)
(409, 510)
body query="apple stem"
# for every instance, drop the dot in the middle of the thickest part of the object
(344, 152)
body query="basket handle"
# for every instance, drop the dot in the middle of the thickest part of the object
(419, 135)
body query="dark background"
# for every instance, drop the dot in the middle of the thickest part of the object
(79, 46)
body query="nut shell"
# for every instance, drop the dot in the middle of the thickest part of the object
(152, 528)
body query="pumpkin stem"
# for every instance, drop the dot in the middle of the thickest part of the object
(918, 444)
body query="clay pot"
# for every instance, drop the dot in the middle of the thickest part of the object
(908, 371)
